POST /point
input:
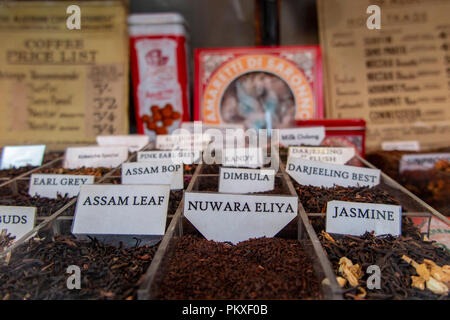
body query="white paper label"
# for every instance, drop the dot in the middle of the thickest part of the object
(94, 157)
(421, 161)
(220, 217)
(50, 185)
(161, 172)
(22, 156)
(400, 145)
(206, 126)
(246, 180)
(336, 155)
(182, 141)
(242, 157)
(321, 174)
(17, 220)
(355, 218)
(178, 156)
(312, 136)
(133, 142)
(121, 210)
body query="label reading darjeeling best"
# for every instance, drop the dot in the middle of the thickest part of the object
(121, 210)
(158, 172)
(220, 217)
(134, 142)
(302, 136)
(355, 218)
(50, 185)
(176, 156)
(320, 174)
(22, 156)
(424, 161)
(234, 180)
(17, 220)
(109, 157)
(337, 155)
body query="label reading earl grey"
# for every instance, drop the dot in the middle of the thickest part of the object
(246, 180)
(50, 185)
(22, 156)
(158, 172)
(424, 161)
(321, 174)
(337, 155)
(17, 220)
(134, 142)
(93, 157)
(220, 217)
(121, 210)
(302, 136)
(355, 218)
(176, 156)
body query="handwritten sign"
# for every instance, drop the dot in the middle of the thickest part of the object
(234, 180)
(320, 174)
(424, 161)
(17, 220)
(134, 142)
(337, 155)
(161, 172)
(50, 185)
(121, 210)
(22, 156)
(220, 217)
(312, 136)
(355, 218)
(95, 157)
(176, 156)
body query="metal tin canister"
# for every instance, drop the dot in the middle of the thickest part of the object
(158, 44)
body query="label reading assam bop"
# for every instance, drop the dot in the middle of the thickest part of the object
(134, 142)
(246, 180)
(337, 155)
(50, 185)
(312, 136)
(220, 217)
(321, 174)
(158, 172)
(121, 210)
(22, 156)
(17, 220)
(94, 157)
(355, 218)
(176, 156)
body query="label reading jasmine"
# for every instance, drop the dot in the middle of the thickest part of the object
(93, 157)
(320, 174)
(176, 156)
(22, 156)
(158, 172)
(312, 136)
(121, 210)
(355, 218)
(337, 155)
(234, 180)
(50, 185)
(17, 220)
(220, 217)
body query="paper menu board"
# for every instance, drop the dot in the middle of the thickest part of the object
(62, 87)
(396, 78)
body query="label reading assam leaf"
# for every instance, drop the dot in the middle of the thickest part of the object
(321, 174)
(158, 172)
(17, 220)
(50, 185)
(355, 218)
(424, 161)
(22, 156)
(177, 156)
(134, 142)
(337, 155)
(242, 157)
(121, 210)
(400, 145)
(220, 217)
(246, 180)
(312, 136)
(94, 157)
